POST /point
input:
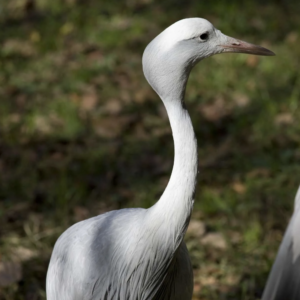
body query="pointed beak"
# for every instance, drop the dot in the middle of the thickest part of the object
(237, 46)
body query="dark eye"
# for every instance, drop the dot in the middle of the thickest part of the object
(204, 36)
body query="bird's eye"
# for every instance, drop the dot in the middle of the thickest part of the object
(204, 37)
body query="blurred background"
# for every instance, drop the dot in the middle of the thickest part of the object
(81, 132)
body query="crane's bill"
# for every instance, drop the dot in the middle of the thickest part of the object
(237, 46)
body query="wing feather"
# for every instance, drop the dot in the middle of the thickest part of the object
(284, 280)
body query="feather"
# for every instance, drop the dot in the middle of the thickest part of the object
(284, 280)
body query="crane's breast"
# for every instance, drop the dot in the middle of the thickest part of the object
(112, 257)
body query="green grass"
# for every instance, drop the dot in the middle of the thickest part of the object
(81, 132)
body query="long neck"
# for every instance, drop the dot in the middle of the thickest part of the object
(175, 205)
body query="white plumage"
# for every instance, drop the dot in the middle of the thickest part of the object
(284, 279)
(139, 254)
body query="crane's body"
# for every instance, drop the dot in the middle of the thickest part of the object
(139, 254)
(99, 267)
(284, 280)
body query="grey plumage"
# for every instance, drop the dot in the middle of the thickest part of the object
(139, 254)
(284, 279)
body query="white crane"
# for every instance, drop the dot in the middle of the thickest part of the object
(139, 254)
(284, 279)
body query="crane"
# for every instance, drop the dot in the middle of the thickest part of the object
(135, 253)
(284, 280)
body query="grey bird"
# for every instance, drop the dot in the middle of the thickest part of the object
(139, 254)
(284, 279)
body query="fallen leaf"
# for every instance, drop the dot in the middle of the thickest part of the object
(88, 102)
(238, 187)
(20, 254)
(292, 37)
(112, 127)
(197, 287)
(232, 280)
(112, 107)
(284, 119)
(196, 228)
(215, 240)
(18, 47)
(241, 100)
(42, 124)
(208, 281)
(142, 94)
(216, 110)
(120, 23)
(235, 237)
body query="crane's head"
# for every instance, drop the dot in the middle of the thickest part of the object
(169, 58)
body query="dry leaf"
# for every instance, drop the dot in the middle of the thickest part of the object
(120, 23)
(235, 237)
(88, 102)
(284, 119)
(292, 37)
(216, 110)
(42, 124)
(18, 47)
(196, 228)
(112, 107)
(215, 240)
(238, 187)
(112, 127)
(197, 287)
(208, 281)
(241, 100)
(142, 94)
(232, 280)
(20, 254)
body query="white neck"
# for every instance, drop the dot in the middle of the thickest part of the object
(175, 206)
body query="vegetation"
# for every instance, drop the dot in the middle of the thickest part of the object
(81, 132)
